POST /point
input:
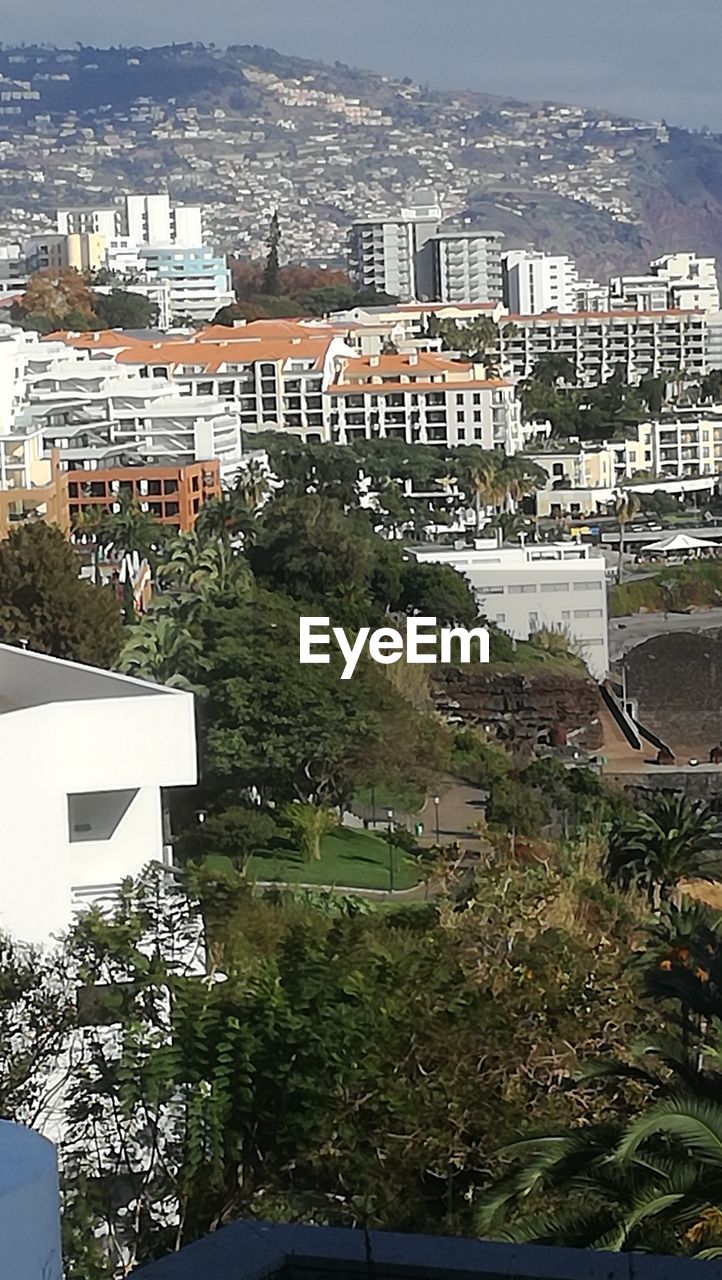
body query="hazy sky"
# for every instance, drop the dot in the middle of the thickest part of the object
(652, 58)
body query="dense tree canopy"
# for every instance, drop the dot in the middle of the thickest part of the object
(46, 604)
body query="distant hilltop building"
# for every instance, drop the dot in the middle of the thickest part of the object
(144, 219)
(155, 248)
(414, 255)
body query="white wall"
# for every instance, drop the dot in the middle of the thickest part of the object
(66, 729)
(563, 589)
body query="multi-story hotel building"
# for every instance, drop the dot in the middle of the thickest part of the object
(76, 398)
(309, 381)
(642, 343)
(422, 398)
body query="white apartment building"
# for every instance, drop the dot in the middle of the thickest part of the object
(422, 398)
(692, 282)
(82, 401)
(145, 219)
(152, 220)
(91, 814)
(271, 373)
(383, 251)
(461, 267)
(539, 282)
(195, 283)
(106, 222)
(305, 379)
(590, 295)
(644, 344)
(556, 586)
(638, 293)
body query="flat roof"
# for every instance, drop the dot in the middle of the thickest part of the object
(30, 679)
(264, 1250)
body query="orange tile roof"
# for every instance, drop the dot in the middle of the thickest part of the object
(107, 338)
(425, 307)
(597, 315)
(269, 329)
(381, 388)
(232, 350)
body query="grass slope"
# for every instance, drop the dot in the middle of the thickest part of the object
(349, 858)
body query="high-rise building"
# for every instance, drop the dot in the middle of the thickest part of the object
(384, 250)
(144, 219)
(463, 266)
(415, 255)
(198, 282)
(538, 282)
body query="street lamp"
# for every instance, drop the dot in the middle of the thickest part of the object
(390, 835)
(437, 802)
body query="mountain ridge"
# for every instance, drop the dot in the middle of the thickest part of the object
(247, 129)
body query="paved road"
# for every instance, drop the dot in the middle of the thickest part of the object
(627, 633)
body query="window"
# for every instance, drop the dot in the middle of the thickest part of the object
(586, 586)
(566, 615)
(588, 613)
(554, 586)
(496, 590)
(461, 433)
(522, 588)
(533, 622)
(500, 619)
(96, 815)
(477, 415)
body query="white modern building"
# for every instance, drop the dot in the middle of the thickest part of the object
(461, 267)
(152, 220)
(384, 250)
(538, 282)
(692, 282)
(144, 219)
(86, 754)
(197, 281)
(643, 343)
(81, 401)
(422, 398)
(557, 586)
(638, 293)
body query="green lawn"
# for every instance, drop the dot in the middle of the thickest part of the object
(351, 858)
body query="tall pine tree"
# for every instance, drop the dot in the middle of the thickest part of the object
(271, 282)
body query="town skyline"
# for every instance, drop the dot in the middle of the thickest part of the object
(527, 52)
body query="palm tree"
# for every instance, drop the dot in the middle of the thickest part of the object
(132, 529)
(654, 1184)
(519, 478)
(226, 518)
(655, 851)
(310, 824)
(252, 483)
(509, 523)
(481, 477)
(653, 1181)
(204, 570)
(163, 650)
(626, 506)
